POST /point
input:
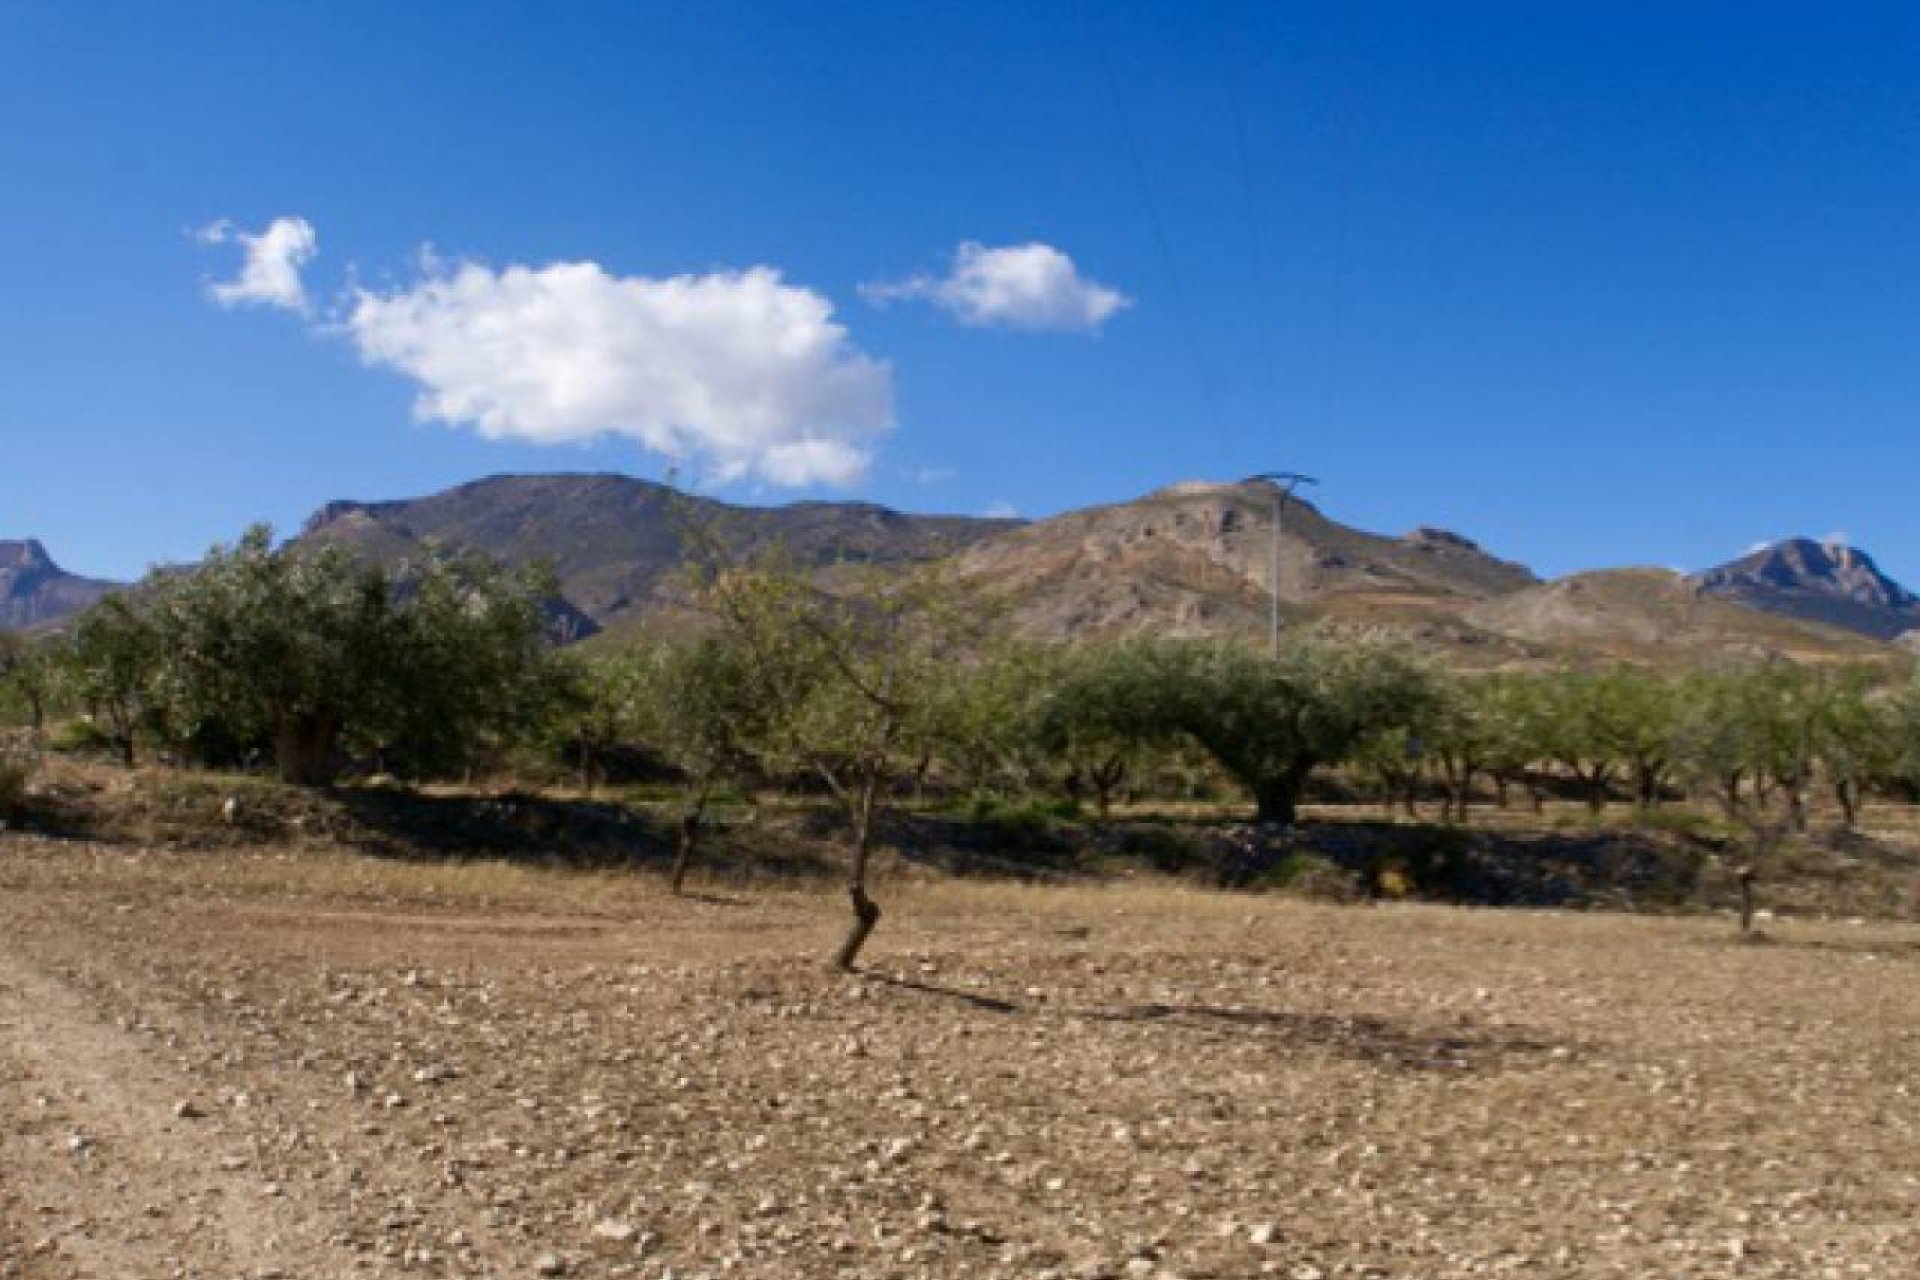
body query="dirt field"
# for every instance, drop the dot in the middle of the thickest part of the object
(315, 1065)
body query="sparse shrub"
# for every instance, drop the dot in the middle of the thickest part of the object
(1682, 822)
(1310, 875)
(1018, 823)
(80, 736)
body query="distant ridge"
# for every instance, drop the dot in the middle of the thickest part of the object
(614, 541)
(1194, 558)
(34, 591)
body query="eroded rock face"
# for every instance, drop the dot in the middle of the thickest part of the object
(1822, 581)
(1198, 558)
(35, 591)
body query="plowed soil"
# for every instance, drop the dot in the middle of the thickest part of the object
(308, 1064)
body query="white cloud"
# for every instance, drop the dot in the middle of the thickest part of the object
(736, 371)
(270, 274)
(1023, 286)
(1001, 511)
(1839, 538)
(1754, 548)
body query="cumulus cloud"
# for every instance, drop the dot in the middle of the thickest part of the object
(1022, 286)
(270, 271)
(737, 371)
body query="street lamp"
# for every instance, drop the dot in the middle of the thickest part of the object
(1284, 483)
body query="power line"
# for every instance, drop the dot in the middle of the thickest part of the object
(1269, 348)
(1208, 392)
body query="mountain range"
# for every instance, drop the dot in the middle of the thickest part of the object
(1193, 558)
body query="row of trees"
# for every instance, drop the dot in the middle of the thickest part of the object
(309, 658)
(314, 659)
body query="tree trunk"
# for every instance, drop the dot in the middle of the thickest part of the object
(866, 912)
(1597, 793)
(1463, 793)
(1746, 876)
(1846, 791)
(1646, 787)
(683, 849)
(921, 769)
(303, 748)
(690, 824)
(1796, 804)
(1107, 775)
(1277, 800)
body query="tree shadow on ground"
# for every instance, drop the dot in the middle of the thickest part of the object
(578, 834)
(1363, 1037)
(991, 1004)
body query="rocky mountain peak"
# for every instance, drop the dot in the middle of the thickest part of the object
(1826, 581)
(35, 591)
(24, 555)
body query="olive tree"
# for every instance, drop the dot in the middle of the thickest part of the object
(29, 673)
(309, 649)
(114, 662)
(1269, 722)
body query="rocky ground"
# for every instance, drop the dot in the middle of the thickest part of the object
(259, 1063)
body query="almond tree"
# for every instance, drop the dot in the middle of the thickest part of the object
(845, 682)
(1098, 713)
(695, 701)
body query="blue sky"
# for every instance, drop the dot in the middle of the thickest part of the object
(1593, 283)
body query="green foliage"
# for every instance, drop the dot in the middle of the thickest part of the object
(988, 721)
(115, 665)
(29, 680)
(308, 652)
(1018, 821)
(1267, 721)
(1314, 876)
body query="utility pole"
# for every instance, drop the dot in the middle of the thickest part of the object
(1284, 483)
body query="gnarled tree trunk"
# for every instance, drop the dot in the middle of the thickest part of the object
(866, 912)
(303, 747)
(690, 823)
